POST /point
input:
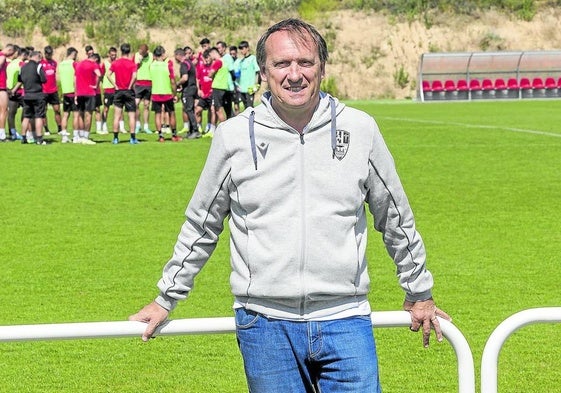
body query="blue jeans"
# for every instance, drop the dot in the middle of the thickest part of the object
(306, 357)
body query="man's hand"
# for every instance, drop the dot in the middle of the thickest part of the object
(154, 315)
(424, 314)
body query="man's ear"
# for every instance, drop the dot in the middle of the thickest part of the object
(263, 74)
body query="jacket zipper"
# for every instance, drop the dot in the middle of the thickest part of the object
(303, 224)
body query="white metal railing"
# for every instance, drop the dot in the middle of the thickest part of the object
(58, 331)
(490, 358)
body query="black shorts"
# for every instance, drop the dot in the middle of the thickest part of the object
(18, 99)
(219, 97)
(98, 100)
(125, 98)
(85, 103)
(34, 108)
(52, 99)
(143, 92)
(108, 99)
(169, 106)
(68, 104)
(205, 103)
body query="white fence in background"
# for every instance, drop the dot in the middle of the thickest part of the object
(466, 372)
(490, 358)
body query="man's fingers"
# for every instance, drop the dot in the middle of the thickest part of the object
(149, 332)
(426, 325)
(443, 315)
(426, 332)
(153, 315)
(415, 325)
(425, 314)
(151, 326)
(436, 325)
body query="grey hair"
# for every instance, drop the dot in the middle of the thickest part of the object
(304, 31)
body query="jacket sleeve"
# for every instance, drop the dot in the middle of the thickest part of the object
(41, 73)
(393, 217)
(205, 214)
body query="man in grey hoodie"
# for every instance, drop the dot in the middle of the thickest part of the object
(295, 175)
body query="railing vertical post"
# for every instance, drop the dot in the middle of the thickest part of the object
(490, 358)
(466, 369)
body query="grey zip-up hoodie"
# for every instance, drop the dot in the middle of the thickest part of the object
(297, 218)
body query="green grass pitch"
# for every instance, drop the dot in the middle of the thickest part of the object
(85, 231)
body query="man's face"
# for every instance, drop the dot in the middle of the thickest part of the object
(112, 55)
(244, 51)
(221, 49)
(215, 55)
(179, 58)
(142, 51)
(48, 55)
(234, 53)
(293, 72)
(8, 51)
(207, 60)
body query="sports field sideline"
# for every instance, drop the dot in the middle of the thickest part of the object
(87, 229)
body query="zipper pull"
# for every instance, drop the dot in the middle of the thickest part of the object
(301, 138)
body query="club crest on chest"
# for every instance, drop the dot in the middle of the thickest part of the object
(342, 139)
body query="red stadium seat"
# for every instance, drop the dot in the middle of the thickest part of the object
(501, 90)
(475, 90)
(512, 84)
(449, 85)
(551, 89)
(550, 83)
(537, 83)
(500, 84)
(525, 84)
(437, 86)
(526, 90)
(474, 85)
(487, 84)
(462, 85)
(559, 83)
(427, 91)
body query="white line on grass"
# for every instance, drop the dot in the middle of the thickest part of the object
(451, 123)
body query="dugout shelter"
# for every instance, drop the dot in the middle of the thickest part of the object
(489, 75)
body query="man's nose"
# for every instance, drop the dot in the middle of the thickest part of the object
(294, 72)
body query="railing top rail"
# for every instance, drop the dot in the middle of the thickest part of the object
(86, 330)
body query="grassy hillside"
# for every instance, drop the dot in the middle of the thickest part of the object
(56, 19)
(374, 45)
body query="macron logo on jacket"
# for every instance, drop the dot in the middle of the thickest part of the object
(263, 147)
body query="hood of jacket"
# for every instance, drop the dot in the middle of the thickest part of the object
(328, 109)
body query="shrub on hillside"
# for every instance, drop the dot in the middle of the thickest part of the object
(14, 27)
(329, 85)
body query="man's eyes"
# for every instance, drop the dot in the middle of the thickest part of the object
(301, 63)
